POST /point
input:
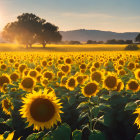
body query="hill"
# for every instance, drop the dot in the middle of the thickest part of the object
(84, 35)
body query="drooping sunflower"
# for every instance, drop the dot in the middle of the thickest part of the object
(27, 84)
(4, 79)
(7, 106)
(41, 110)
(137, 74)
(120, 85)
(137, 121)
(71, 83)
(133, 85)
(22, 67)
(111, 82)
(90, 89)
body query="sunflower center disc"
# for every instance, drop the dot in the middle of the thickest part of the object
(42, 110)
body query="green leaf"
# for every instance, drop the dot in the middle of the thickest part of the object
(137, 136)
(1, 120)
(9, 122)
(96, 135)
(62, 132)
(77, 135)
(95, 111)
(83, 105)
(130, 106)
(104, 107)
(72, 100)
(35, 136)
(105, 97)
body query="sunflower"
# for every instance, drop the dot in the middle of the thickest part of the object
(137, 121)
(97, 76)
(33, 73)
(120, 85)
(48, 75)
(132, 85)
(111, 82)
(38, 68)
(137, 74)
(41, 110)
(82, 66)
(63, 81)
(44, 82)
(66, 68)
(7, 106)
(81, 79)
(90, 89)
(68, 60)
(131, 66)
(3, 67)
(60, 74)
(14, 76)
(71, 83)
(27, 83)
(44, 63)
(4, 79)
(96, 64)
(121, 72)
(22, 67)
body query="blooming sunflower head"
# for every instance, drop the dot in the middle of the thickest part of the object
(27, 84)
(90, 89)
(48, 75)
(4, 79)
(41, 110)
(97, 76)
(110, 82)
(14, 76)
(137, 74)
(137, 121)
(71, 83)
(132, 85)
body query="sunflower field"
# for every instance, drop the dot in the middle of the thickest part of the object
(72, 96)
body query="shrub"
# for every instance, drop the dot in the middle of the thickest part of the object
(132, 47)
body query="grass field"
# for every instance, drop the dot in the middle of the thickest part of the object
(63, 48)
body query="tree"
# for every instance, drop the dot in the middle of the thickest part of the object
(138, 38)
(48, 33)
(29, 29)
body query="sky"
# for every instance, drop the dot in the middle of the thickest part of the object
(107, 15)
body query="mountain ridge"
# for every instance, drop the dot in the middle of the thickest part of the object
(98, 35)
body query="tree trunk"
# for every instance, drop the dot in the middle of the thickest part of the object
(30, 45)
(44, 44)
(26, 45)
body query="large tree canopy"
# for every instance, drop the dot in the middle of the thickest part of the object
(29, 29)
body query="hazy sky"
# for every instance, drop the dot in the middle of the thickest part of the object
(108, 15)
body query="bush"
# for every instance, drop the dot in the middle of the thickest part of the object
(132, 47)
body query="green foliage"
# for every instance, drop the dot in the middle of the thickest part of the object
(132, 47)
(62, 132)
(96, 135)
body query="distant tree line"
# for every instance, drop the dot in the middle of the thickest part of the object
(30, 29)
